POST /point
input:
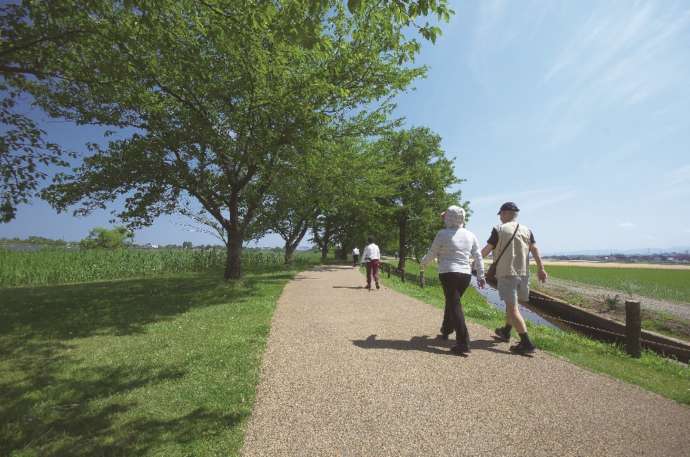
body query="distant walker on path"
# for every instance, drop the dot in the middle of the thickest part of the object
(371, 257)
(355, 256)
(512, 244)
(455, 247)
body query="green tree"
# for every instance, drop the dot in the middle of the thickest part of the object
(99, 237)
(423, 177)
(223, 95)
(354, 207)
(24, 151)
(187, 244)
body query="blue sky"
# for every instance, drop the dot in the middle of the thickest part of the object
(577, 111)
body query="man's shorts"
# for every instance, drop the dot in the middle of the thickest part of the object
(513, 289)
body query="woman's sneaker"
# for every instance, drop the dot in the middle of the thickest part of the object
(523, 348)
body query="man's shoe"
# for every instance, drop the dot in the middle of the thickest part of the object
(502, 334)
(377, 286)
(522, 348)
(443, 336)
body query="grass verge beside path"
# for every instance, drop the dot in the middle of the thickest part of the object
(663, 284)
(652, 372)
(157, 366)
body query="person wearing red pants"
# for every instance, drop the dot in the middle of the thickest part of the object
(371, 257)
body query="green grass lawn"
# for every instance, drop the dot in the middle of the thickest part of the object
(653, 372)
(162, 366)
(671, 285)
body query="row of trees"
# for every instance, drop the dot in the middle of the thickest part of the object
(248, 116)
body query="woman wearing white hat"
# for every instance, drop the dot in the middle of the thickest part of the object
(455, 247)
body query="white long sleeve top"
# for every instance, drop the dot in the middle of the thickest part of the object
(455, 248)
(371, 252)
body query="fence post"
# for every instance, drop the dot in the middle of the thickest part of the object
(388, 269)
(633, 328)
(421, 279)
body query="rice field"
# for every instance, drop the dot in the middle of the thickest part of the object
(665, 284)
(60, 266)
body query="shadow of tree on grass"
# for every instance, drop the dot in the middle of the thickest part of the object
(56, 401)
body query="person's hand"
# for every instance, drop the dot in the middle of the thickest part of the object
(541, 274)
(481, 283)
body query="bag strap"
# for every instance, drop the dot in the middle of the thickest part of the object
(506, 246)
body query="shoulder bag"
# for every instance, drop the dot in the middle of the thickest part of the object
(491, 274)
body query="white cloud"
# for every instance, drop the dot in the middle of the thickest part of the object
(620, 56)
(526, 200)
(678, 176)
(626, 225)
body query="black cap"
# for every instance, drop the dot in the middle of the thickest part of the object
(508, 206)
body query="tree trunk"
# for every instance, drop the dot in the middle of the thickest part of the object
(233, 264)
(289, 252)
(402, 243)
(341, 254)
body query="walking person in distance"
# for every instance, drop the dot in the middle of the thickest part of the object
(355, 256)
(455, 248)
(512, 243)
(371, 257)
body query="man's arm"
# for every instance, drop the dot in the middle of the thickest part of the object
(491, 243)
(541, 273)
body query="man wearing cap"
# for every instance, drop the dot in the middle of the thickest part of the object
(512, 243)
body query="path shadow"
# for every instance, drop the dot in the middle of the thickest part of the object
(328, 268)
(349, 287)
(416, 343)
(426, 344)
(489, 345)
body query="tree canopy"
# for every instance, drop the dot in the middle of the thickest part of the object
(224, 97)
(115, 238)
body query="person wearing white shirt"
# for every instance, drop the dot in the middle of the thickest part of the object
(355, 256)
(456, 249)
(371, 257)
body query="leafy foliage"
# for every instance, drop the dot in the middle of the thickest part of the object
(423, 176)
(99, 237)
(224, 96)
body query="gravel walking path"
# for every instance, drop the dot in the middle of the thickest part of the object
(349, 372)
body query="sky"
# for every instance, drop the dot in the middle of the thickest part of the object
(579, 112)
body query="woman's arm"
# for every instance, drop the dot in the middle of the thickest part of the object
(433, 251)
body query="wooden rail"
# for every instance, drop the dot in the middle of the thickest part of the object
(630, 335)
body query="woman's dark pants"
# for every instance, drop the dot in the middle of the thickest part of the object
(454, 285)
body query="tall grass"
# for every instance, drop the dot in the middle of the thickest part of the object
(58, 266)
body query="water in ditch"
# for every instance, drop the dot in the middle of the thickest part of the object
(491, 295)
